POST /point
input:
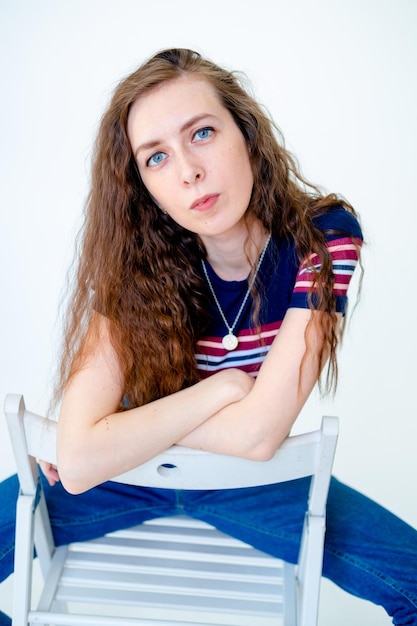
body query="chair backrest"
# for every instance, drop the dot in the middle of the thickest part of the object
(308, 454)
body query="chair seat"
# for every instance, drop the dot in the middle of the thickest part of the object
(165, 566)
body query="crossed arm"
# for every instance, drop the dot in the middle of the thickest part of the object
(228, 412)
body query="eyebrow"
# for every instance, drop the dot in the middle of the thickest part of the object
(149, 145)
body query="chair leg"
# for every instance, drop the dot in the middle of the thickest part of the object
(290, 595)
(310, 569)
(44, 542)
(47, 599)
(23, 560)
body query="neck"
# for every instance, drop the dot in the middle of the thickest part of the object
(233, 257)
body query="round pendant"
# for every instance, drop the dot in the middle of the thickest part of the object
(230, 341)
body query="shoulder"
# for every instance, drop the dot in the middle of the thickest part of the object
(338, 221)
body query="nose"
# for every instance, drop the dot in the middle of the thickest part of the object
(191, 170)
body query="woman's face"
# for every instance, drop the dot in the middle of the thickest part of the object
(192, 157)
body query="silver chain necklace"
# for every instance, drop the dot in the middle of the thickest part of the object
(230, 341)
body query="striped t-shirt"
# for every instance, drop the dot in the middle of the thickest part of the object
(285, 283)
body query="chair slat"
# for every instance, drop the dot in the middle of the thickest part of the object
(192, 602)
(182, 567)
(183, 585)
(156, 549)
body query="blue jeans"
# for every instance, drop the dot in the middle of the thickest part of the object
(368, 551)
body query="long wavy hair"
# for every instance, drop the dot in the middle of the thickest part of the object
(138, 267)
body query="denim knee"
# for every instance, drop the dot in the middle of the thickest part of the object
(371, 553)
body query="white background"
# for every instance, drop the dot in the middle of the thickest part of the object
(339, 77)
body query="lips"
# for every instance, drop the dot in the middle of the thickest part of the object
(205, 203)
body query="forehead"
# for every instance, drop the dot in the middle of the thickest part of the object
(170, 105)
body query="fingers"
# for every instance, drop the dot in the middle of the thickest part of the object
(50, 472)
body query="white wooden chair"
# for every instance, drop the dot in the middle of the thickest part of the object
(172, 570)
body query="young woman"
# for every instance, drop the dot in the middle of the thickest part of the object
(210, 296)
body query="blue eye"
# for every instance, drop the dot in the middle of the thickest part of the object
(156, 159)
(203, 133)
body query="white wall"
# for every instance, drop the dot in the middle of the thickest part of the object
(339, 78)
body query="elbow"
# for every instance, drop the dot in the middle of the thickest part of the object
(265, 447)
(261, 452)
(74, 487)
(73, 476)
(72, 482)
(78, 465)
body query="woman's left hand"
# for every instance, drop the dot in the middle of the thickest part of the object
(50, 471)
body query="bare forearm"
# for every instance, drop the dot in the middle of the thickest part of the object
(255, 426)
(92, 451)
(241, 429)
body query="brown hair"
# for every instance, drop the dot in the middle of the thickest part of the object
(139, 268)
